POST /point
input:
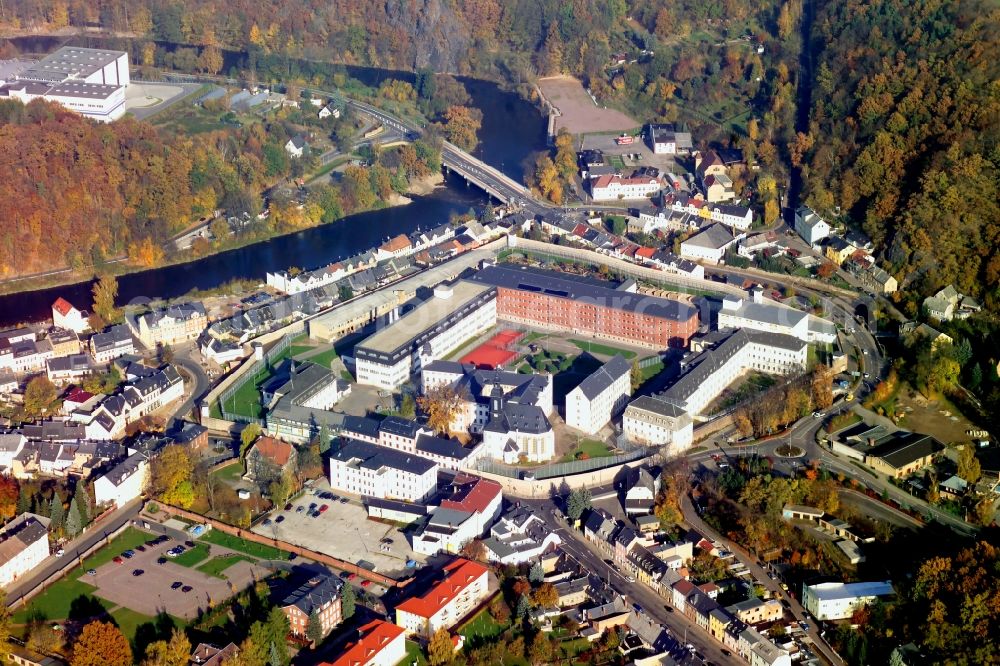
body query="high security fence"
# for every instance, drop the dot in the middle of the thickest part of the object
(237, 395)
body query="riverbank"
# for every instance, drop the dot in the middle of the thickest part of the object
(420, 187)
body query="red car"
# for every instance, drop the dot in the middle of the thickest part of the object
(365, 583)
(353, 576)
(323, 508)
(118, 559)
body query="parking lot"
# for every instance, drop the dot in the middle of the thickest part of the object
(151, 592)
(342, 531)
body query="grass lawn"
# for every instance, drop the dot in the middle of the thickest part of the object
(295, 350)
(324, 358)
(604, 350)
(230, 474)
(55, 602)
(216, 565)
(128, 620)
(591, 447)
(127, 540)
(481, 628)
(259, 550)
(414, 655)
(531, 337)
(651, 371)
(192, 556)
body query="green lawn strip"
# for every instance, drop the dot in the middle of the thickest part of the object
(55, 602)
(230, 474)
(216, 565)
(127, 540)
(414, 655)
(324, 359)
(192, 556)
(651, 370)
(300, 349)
(258, 550)
(129, 620)
(605, 350)
(481, 628)
(591, 447)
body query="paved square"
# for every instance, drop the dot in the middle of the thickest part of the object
(342, 531)
(150, 593)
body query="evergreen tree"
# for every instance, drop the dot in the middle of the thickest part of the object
(274, 658)
(348, 602)
(536, 574)
(314, 628)
(24, 500)
(83, 503)
(324, 438)
(74, 524)
(523, 606)
(56, 513)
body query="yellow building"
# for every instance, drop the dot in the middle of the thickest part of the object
(838, 250)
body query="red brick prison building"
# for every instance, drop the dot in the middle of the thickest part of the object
(562, 302)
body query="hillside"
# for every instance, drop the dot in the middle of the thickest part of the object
(905, 129)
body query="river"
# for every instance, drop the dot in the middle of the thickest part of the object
(512, 131)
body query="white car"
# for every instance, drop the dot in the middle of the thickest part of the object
(630, 579)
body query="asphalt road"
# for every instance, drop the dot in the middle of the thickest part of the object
(184, 358)
(74, 551)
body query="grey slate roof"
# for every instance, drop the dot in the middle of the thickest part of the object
(374, 457)
(520, 418)
(713, 237)
(604, 376)
(117, 474)
(314, 594)
(657, 405)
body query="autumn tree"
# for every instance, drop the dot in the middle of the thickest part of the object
(968, 464)
(170, 476)
(474, 550)
(4, 627)
(9, 497)
(39, 397)
(546, 179)
(210, 60)
(173, 652)
(635, 376)
(461, 125)
(248, 436)
(821, 387)
(442, 405)
(105, 291)
(440, 649)
(667, 504)
(101, 644)
(545, 595)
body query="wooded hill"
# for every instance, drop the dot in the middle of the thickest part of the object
(905, 127)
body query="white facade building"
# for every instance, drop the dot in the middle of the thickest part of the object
(24, 544)
(465, 585)
(173, 325)
(366, 469)
(65, 315)
(430, 331)
(838, 601)
(519, 536)
(379, 643)
(766, 316)
(653, 421)
(710, 245)
(599, 397)
(810, 226)
(112, 343)
(472, 506)
(125, 482)
(615, 187)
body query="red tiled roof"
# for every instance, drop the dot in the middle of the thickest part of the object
(62, 306)
(685, 587)
(77, 394)
(274, 450)
(474, 494)
(460, 574)
(400, 242)
(645, 252)
(375, 636)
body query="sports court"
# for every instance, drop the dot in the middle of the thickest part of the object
(495, 352)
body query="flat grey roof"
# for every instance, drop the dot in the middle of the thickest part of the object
(75, 61)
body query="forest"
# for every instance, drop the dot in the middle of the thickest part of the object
(904, 132)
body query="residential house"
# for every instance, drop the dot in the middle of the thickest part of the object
(394, 247)
(270, 454)
(206, 654)
(614, 187)
(810, 226)
(112, 343)
(173, 325)
(448, 602)
(65, 315)
(838, 250)
(24, 544)
(640, 495)
(124, 482)
(572, 591)
(519, 536)
(379, 643)
(609, 615)
(599, 528)
(903, 453)
(319, 595)
(65, 369)
(63, 340)
(668, 139)
(718, 620)
(472, 504)
(296, 146)
(600, 396)
(679, 594)
(328, 111)
(756, 611)
(875, 279)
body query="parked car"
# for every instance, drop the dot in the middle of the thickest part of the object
(137, 572)
(288, 507)
(128, 554)
(141, 548)
(299, 509)
(60, 552)
(186, 588)
(324, 508)
(366, 583)
(352, 576)
(176, 585)
(91, 572)
(267, 521)
(161, 560)
(279, 519)
(118, 559)
(344, 500)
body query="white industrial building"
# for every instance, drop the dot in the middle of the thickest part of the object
(430, 331)
(599, 397)
(838, 601)
(655, 421)
(91, 82)
(370, 470)
(125, 482)
(710, 245)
